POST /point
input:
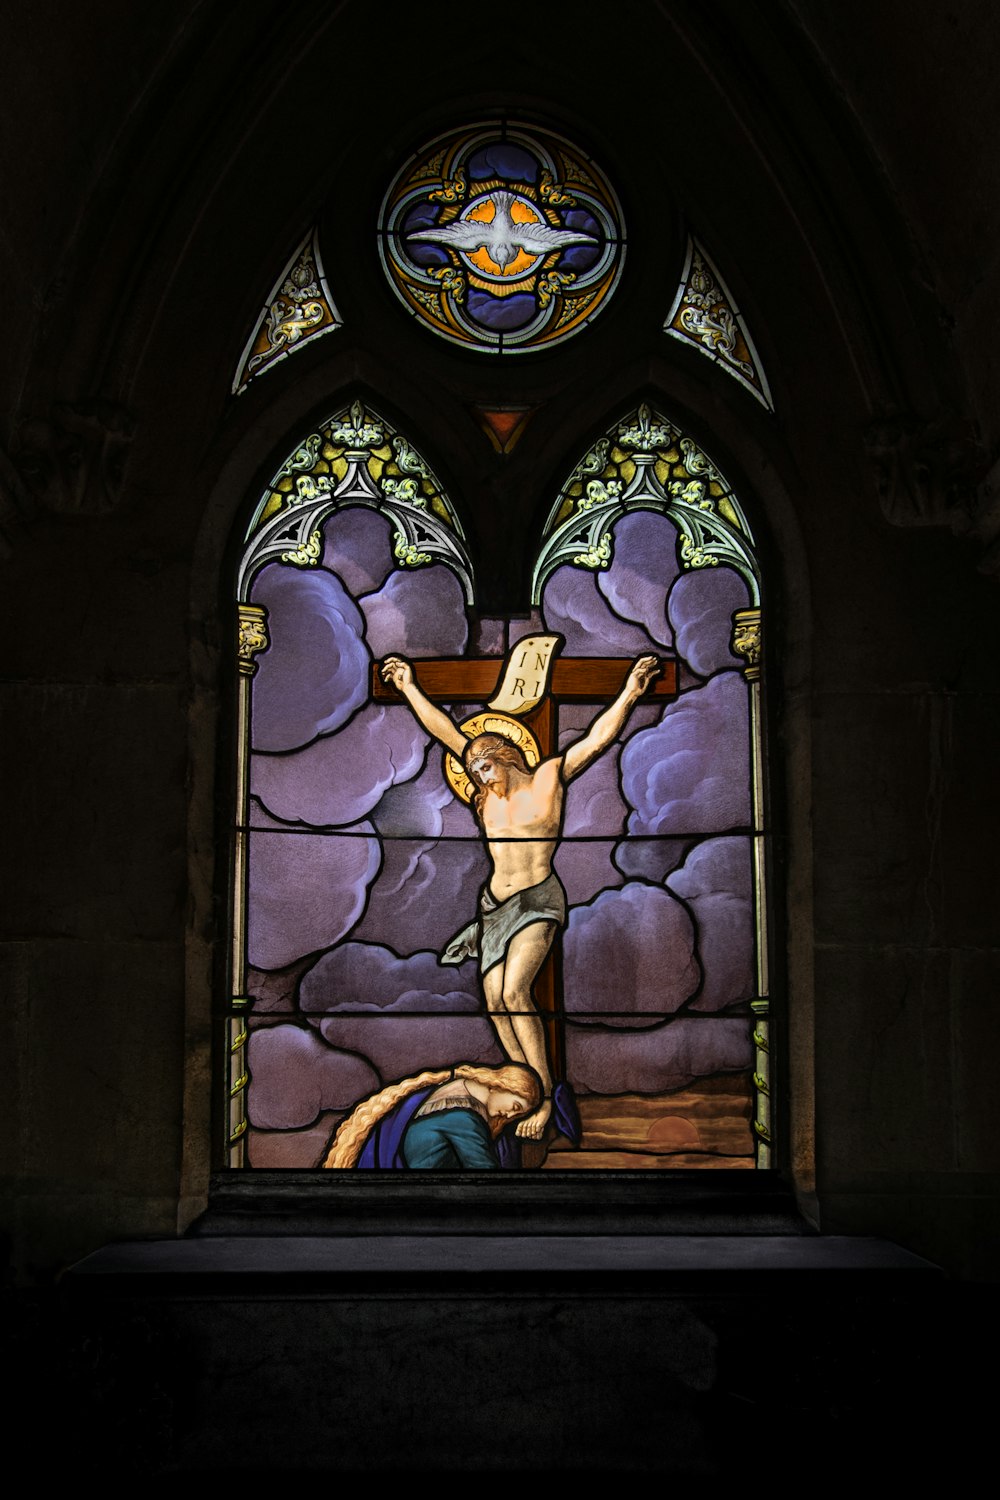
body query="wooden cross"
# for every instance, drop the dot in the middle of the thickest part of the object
(575, 679)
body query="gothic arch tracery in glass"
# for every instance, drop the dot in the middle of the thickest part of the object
(355, 863)
(356, 458)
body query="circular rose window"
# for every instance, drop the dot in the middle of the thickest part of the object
(502, 237)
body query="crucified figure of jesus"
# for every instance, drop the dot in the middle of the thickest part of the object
(520, 812)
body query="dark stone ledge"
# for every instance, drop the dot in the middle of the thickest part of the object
(529, 1203)
(444, 1264)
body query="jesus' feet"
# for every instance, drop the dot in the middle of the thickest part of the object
(532, 1127)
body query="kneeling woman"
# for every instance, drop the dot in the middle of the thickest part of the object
(437, 1120)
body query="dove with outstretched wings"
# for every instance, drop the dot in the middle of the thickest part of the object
(502, 237)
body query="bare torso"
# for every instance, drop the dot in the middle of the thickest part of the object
(520, 812)
(521, 824)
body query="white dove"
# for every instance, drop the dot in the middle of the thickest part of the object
(501, 238)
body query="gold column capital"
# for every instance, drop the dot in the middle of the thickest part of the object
(252, 636)
(748, 641)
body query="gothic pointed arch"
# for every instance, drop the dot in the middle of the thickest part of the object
(353, 547)
(648, 546)
(356, 857)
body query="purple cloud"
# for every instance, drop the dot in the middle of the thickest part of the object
(426, 892)
(690, 774)
(292, 1148)
(364, 977)
(274, 990)
(643, 567)
(576, 718)
(315, 672)
(420, 613)
(715, 880)
(358, 547)
(630, 953)
(573, 604)
(585, 869)
(341, 777)
(399, 1045)
(366, 1000)
(653, 1062)
(649, 859)
(700, 609)
(294, 1077)
(593, 806)
(305, 890)
(594, 801)
(425, 807)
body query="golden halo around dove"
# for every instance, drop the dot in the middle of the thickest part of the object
(489, 722)
(501, 236)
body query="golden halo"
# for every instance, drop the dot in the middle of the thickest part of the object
(489, 722)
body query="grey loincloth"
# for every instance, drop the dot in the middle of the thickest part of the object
(489, 937)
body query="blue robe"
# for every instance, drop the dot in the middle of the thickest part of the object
(384, 1146)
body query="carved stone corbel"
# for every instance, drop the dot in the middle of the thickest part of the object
(747, 641)
(73, 462)
(927, 473)
(252, 636)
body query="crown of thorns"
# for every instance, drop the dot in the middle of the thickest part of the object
(492, 739)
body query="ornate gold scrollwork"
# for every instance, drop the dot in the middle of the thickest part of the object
(452, 281)
(360, 431)
(452, 190)
(599, 493)
(705, 315)
(403, 490)
(644, 434)
(693, 556)
(554, 192)
(597, 556)
(551, 284)
(408, 553)
(748, 641)
(308, 555)
(252, 636)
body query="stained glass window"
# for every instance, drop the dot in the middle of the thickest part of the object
(704, 313)
(502, 237)
(299, 309)
(359, 857)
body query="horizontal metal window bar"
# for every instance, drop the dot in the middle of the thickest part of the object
(325, 831)
(574, 1016)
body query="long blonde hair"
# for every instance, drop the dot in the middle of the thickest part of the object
(501, 749)
(353, 1131)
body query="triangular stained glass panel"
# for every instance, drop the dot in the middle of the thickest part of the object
(503, 427)
(298, 309)
(704, 313)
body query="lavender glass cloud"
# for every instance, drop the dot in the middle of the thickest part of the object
(314, 674)
(306, 890)
(716, 882)
(689, 773)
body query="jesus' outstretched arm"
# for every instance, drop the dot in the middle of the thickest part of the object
(609, 724)
(396, 671)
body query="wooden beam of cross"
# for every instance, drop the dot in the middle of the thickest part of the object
(575, 679)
